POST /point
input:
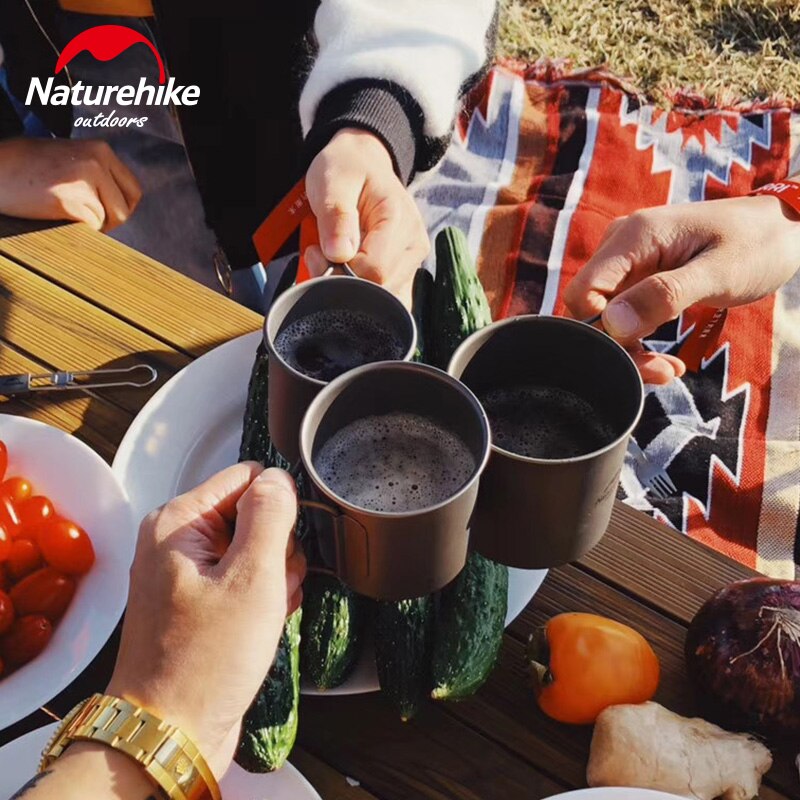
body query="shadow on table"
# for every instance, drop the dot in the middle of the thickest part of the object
(110, 411)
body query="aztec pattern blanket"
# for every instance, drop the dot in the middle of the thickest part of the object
(540, 163)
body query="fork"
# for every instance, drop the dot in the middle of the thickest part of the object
(653, 477)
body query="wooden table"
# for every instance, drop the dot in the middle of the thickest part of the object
(70, 297)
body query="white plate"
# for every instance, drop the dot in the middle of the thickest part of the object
(19, 761)
(83, 488)
(191, 428)
(611, 793)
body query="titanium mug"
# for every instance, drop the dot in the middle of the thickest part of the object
(290, 392)
(535, 513)
(388, 555)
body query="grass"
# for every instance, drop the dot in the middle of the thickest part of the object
(727, 50)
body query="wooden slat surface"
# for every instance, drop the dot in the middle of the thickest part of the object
(660, 566)
(70, 297)
(130, 285)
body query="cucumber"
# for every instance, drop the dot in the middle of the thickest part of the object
(403, 640)
(421, 309)
(256, 444)
(333, 621)
(446, 313)
(269, 727)
(471, 611)
(468, 628)
(458, 303)
(270, 724)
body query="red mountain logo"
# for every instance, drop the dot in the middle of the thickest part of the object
(105, 42)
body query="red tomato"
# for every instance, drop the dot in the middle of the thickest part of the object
(66, 546)
(25, 558)
(16, 489)
(6, 612)
(5, 581)
(5, 543)
(34, 511)
(9, 519)
(26, 638)
(47, 592)
(3, 459)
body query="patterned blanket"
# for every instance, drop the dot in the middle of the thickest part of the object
(540, 164)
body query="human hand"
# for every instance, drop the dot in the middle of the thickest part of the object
(656, 263)
(205, 612)
(365, 215)
(66, 179)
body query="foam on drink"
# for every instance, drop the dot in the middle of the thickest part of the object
(327, 343)
(544, 422)
(394, 462)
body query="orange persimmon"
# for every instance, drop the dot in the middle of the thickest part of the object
(583, 663)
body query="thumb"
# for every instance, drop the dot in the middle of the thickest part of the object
(659, 298)
(267, 513)
(334, 197)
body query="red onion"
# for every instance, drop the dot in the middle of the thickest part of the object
(743, 652)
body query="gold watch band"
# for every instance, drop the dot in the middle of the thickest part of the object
(163, 750)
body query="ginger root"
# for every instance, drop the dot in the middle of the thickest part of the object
(648, 747)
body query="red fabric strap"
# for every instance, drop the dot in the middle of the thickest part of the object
(786, 190)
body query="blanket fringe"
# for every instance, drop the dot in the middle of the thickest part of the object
(684, 100)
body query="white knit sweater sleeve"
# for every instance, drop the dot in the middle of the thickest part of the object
(428, 47)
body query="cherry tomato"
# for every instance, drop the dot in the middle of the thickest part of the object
(66, 546)
(26, 638)
(34, 511)
(9, 519)
(5, 581)
(47, 592)
(25, 557)
(6, 612)
(3, 459)
(16, 489)
(5, 543)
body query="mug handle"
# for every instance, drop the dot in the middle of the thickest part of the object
(344, 267)
(343, 527)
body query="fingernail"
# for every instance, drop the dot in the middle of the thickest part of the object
(341, 248)
(620, 320)
(279, 479)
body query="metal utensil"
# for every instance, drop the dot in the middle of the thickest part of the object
(26, 383)
(654, 478)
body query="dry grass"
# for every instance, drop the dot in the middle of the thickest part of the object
(725, 49)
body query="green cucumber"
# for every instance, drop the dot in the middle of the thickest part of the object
(403, 640)
(269, 727)
(458, 303)
(468, 628)
(446, 313)
(256, 444)
(421, 309)
(333, 621)
(270, 724)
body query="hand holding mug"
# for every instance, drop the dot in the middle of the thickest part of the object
(216, 572)
(365, 215)
(655, 263)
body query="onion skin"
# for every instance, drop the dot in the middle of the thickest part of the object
(743, 653)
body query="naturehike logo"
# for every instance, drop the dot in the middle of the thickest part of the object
(106, 42)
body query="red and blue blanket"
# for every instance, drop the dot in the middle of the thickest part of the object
(540, 163)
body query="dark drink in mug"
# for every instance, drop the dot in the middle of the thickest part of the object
(328, 343)
(395, 462)
(544, 421)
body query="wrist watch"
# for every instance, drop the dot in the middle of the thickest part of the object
(168, 756)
